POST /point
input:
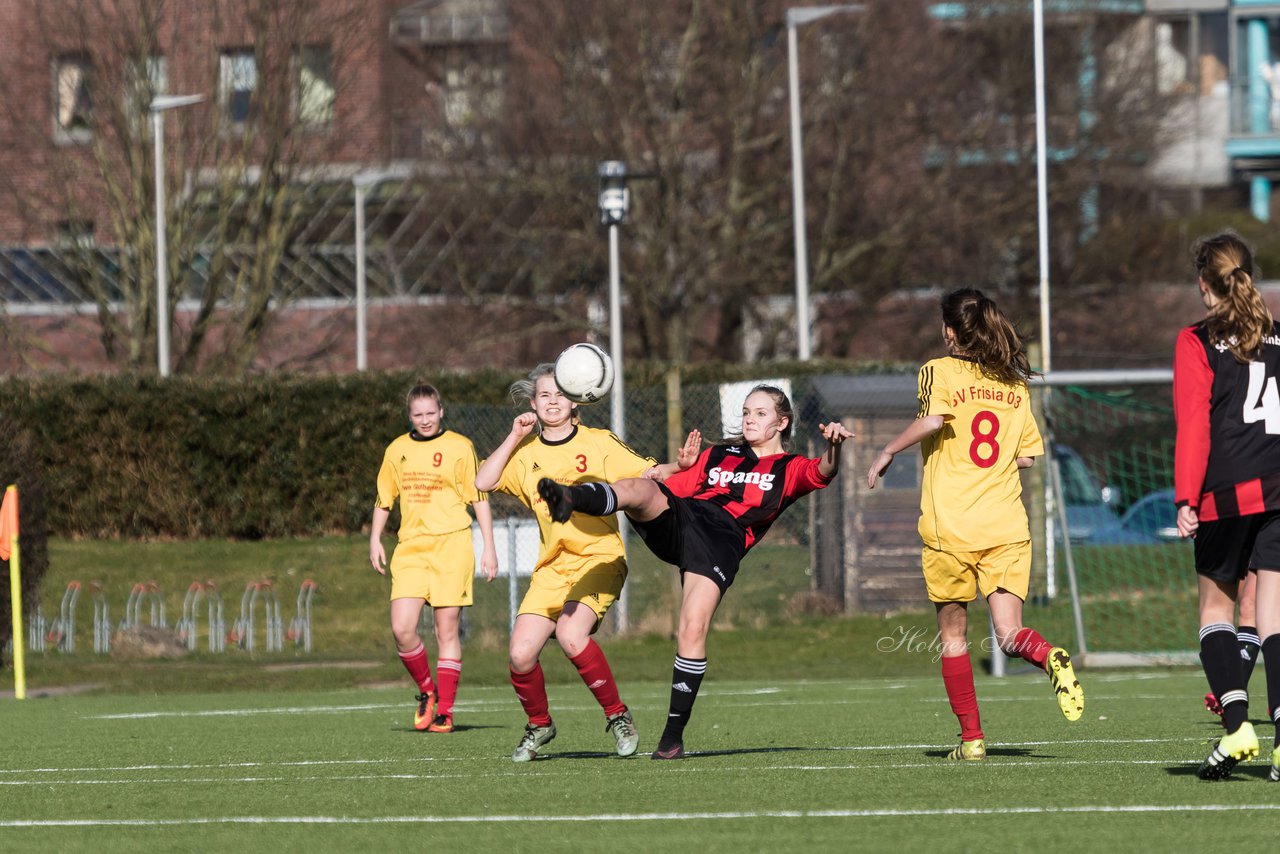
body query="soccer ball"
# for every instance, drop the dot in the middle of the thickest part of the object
(584, 373)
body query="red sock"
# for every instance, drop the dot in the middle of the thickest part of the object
(531, 690)
(593, 667)
(415, 661)
(448, 674)
(1028, 644)
(957, 675)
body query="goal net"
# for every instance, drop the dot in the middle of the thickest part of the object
(1119, 582)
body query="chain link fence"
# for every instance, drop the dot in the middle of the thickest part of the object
(657, 419)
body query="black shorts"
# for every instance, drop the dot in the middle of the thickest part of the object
(697, 537)
(1226, 549)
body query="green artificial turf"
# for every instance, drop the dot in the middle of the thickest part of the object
(848, 764)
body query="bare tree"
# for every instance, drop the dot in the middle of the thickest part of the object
(919, 139)
(240, 166)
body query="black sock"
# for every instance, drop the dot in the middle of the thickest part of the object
(1250, 643)
(1271, 654)
(1220, 655)
(594, 499)
(686, 678)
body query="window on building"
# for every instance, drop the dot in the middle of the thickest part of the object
(473, 88)
(237, 84)
(75, 234)
(315, 86)
(72, 105)
(1175, 68)
(1213, 54)
(1191, 54)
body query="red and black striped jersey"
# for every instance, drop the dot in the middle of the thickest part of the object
(753, 490)
(1227, 453)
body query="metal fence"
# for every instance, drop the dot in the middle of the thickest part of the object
(655, 423)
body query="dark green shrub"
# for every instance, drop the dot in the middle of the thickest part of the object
(19, 465)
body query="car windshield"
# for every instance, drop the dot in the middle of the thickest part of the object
(1078, 486)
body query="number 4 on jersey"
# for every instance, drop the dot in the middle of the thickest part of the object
(1262, 401)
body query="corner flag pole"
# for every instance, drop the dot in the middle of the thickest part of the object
(9, 550)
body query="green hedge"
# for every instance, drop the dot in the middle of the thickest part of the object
(17, 450)
(269, 456)
(272, 456)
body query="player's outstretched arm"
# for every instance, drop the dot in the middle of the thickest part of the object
(836, 435)
(919, 429)
(686, 456)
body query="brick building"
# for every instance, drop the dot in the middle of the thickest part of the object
(333, 89)
(308, 95)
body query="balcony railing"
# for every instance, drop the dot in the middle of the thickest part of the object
(1255, 109)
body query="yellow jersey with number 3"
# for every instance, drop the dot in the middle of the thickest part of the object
(971, 498)
(585, 455)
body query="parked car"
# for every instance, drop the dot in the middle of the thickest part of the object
(1154, 515)
(1091, 515)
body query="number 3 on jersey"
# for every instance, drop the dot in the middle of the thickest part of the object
(1262, 400)
(984, 427)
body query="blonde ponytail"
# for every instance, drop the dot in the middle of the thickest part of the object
(1240, 319)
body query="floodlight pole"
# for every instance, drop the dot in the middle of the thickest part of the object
(796, 16)
(362, 345)
(362, 181)
(614, 200)
(159, 105)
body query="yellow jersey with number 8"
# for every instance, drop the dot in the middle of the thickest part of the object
(971, 497)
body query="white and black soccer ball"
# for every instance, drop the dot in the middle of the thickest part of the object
(584, 373)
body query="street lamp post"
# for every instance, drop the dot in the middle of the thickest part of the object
(796, 16)
(362, 181)
(159, 105)
(614, 200)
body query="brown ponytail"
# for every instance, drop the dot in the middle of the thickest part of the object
(983, 333)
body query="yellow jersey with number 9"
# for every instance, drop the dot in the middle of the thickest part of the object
(971, 498)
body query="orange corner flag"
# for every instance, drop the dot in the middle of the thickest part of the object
(8, 521)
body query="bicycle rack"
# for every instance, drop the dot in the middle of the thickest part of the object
(62, 634)
(154, 597)
(189, 626)
(37, 626)
(148, 592)
(217, 624)
(133, 607)
(101, 619)
(300, 626)
(271, 617)
(242, 633)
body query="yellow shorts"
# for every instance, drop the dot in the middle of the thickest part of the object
(958, 576)
(596, 585)
(438, 568)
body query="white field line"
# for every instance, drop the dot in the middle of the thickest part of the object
(639, 817)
